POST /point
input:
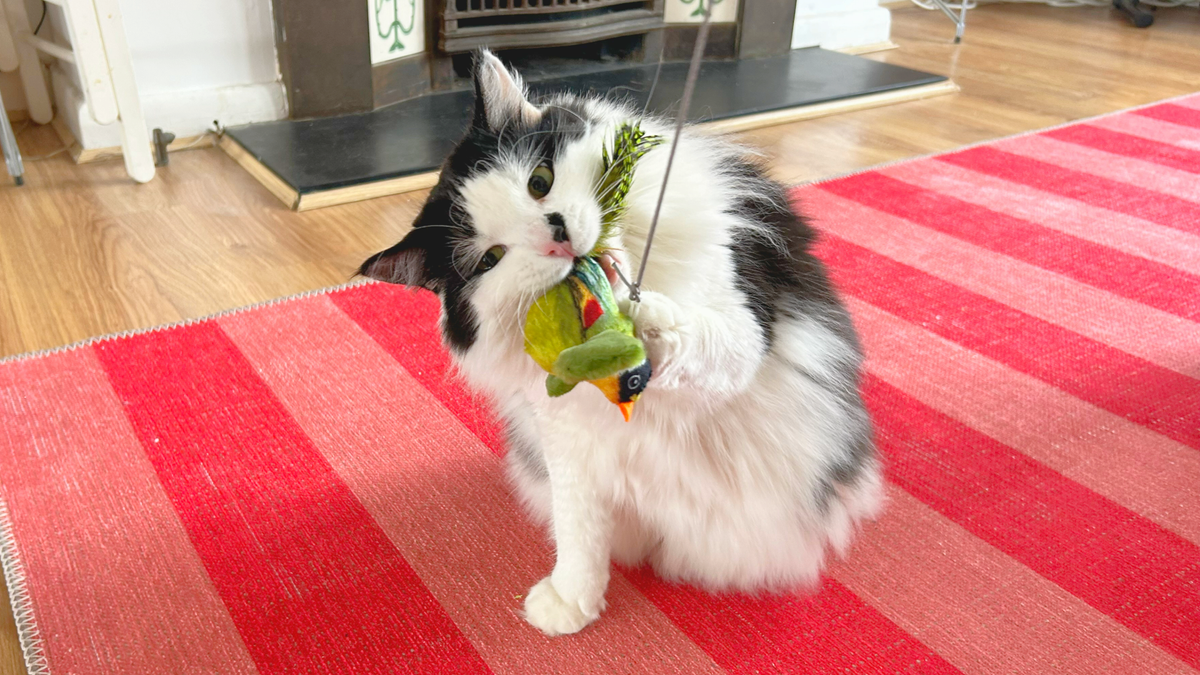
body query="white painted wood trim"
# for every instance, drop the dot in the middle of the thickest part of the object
(91, 60)
(135, 137)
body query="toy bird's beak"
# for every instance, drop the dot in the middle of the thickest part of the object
(626, 409)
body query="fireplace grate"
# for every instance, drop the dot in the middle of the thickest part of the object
(515, 24)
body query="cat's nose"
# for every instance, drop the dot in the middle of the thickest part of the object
(558, 227)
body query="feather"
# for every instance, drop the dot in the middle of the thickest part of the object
(630, 144)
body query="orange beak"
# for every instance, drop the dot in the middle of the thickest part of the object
(626, 409)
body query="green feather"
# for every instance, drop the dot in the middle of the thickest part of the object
(629, 145)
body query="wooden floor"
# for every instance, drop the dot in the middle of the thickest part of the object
(84, 252)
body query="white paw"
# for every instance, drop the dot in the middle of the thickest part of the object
(657, 319)
(546, 610)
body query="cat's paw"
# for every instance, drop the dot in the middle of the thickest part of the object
(658, 320)
(547, 611)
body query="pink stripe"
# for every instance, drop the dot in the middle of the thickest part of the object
(1116, 458)
(1135, 278)
(1155, 180)
(1174, 113)
(1167, 124)
(1142, 575)
(1155, 336)
(981, 610)
(1128, 145)
(830, 631)
(1192, 102)
(113, 577)
(1148, 395)
(416, 343)
(310, 580)
(1107, 228)
(440, 496)
(1157, 207)
(1181, 113)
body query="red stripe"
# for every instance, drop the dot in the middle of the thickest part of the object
(1128, 145)
(1175, 114)
(1156, 207)
(869, 631)
(832, 631)
(1137, 572)
(405, 324)
(1136, 278)
(1124, 385)
(311, 581)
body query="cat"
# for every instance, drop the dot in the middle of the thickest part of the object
(749, 455)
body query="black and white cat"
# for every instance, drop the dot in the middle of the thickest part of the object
(749, 454)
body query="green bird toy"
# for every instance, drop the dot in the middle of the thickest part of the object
(576, 332)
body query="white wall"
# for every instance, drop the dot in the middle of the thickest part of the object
(195, 61)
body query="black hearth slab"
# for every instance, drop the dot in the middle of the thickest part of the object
(413, 137)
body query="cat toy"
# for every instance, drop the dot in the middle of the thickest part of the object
(576, 332)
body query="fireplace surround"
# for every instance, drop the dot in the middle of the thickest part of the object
(330, 67)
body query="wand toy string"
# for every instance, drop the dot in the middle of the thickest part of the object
(688, 88)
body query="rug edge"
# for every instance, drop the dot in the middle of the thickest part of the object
(20, 599)
(87, 342)
(24, 356)
(976, 144)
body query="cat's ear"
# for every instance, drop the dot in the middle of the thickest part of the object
(500, 95)
(407, 263)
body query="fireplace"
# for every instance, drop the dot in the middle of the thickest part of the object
(380, 90)
(514, 24)
(348, 56)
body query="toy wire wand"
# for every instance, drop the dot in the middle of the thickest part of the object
(575, 331)
(689, 86)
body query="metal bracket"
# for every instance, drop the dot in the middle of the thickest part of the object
(162, 139)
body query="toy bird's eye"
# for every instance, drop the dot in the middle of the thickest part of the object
(540, 181)
(634, 382)
(490, 258)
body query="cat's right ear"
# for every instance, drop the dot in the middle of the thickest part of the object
(499, 95)
(407, 263)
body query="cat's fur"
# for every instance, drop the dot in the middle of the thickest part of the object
(749, 455)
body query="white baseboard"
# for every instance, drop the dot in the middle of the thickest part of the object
(183, 113)
(842, 30)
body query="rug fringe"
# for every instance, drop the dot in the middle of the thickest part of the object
(186, 322)
(22, 602)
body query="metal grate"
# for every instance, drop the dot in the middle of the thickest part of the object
(464, 9)
(506, 24)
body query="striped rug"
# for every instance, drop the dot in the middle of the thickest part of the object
(302, 488)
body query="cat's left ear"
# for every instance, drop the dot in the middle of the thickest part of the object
(408, 262)
(500, 95)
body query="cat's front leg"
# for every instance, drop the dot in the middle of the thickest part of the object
(573, 595)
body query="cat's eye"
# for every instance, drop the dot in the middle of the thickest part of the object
(540, 181)
(490, 258)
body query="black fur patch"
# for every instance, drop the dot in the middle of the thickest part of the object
(526, 454)
(782, 279)
(775, 268)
